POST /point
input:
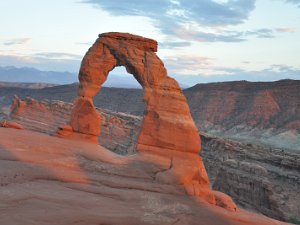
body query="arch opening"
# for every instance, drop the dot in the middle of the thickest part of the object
(120, 102)
(120, 78)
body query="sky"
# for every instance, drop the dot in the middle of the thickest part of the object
(199, 40)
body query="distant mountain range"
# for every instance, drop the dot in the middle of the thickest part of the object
(32, 75)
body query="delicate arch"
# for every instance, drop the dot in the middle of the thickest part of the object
(167, 121)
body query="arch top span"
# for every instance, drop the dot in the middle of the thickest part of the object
(167, 125)
(139, 42)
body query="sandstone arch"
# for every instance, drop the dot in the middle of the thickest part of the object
(167, 125)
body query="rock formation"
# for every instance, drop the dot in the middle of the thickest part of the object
(168, 128)
(248, 183)
(10, 124)
(265, 113)
(167, 122)
(119, 131)
(258, 178)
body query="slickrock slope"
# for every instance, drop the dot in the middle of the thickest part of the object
(46, 180)
(263, 179)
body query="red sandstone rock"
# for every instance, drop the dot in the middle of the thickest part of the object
(85, 118)
(168, 128)
(57, 181)
(225, 201)
(168, 123)
(17, 105)
(10, 124)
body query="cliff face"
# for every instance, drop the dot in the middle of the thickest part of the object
(250, 185)
(258, 112)
(255, 104)
(262, 179)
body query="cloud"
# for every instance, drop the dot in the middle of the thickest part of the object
(174, 17)
(184, 64)
(57, 55)
(296, 2)
(173, 44)
(84, 43)
(286, 30)
(261, 33)
(200, 36)
(190, 70)
(272, 73)
(204, 12)
(227, 36)
(17, 41)
(190, 20)
(208, 12)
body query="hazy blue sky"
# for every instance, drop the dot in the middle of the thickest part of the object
(199, 40)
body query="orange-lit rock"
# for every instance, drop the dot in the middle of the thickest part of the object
(167, 123)
(10, 124)
(168, 128)
(225, 201)
(49, 180)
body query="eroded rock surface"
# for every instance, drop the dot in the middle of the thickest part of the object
(167, 123)
(249, 183)
(258, 178)
(119, 130)
(265, 113)
(49, 180)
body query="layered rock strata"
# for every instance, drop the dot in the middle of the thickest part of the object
(119, 130)
(262, 179)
